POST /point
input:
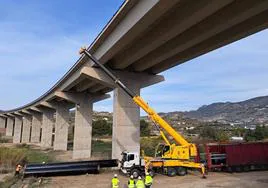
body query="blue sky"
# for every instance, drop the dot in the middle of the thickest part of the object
(39, 41)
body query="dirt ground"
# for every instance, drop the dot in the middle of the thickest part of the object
(258, 179)
(214, 179)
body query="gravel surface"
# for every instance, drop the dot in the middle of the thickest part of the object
(214, 179)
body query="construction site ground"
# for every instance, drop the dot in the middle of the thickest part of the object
(215, 179)
(254, 179)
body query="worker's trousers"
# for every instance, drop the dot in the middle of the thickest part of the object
(148, 186)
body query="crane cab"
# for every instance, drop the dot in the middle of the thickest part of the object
(175, 152)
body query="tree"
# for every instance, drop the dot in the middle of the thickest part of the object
(145, 128)
(239, 132)
(222, 136)
(259, 133)
(101, 127)
(208, 132)
(214, 134)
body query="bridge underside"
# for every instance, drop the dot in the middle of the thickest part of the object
(143, 39)
(173, 32)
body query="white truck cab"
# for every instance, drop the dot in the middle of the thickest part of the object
(132, 164)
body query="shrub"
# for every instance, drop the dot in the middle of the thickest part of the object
(149, 144)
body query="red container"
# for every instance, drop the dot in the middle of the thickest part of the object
(246, 154)
(237, 156)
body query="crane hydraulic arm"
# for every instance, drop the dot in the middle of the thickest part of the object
(175, 156)
(140, 102)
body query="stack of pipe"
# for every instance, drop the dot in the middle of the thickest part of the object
(68, 168)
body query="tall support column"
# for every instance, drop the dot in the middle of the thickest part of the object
(2, 122)
(27, 122)
(83, 120)
(61, 127)
(47, 128)
(17, 129)
(36, 127)
(126, 122)
(83, 129)
(10, 124)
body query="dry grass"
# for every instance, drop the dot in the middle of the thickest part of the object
(9, 157)
(21, 154)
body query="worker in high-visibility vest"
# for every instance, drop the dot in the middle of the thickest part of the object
(139, 183)
(131, 182)
(115, 182)
(148, 180)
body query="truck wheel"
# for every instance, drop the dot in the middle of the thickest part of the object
(238, 169)
(171, 171)
(246, 168)
(135, 173)
(229, 169)
(181, 171)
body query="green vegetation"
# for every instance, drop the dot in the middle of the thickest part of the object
(101, 146)
(22, 154)
(149, 144)
(9, 182)
(211, 133)
(260, 133)
(101, 149)
(3, 139)
(145, 128)
(217, 134)
(101, 128)
(104, 149)
(238, 132)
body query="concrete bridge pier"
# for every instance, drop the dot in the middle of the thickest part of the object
(26, 128)
(17, 129)
(47, 128)
(126, 116)
(83, 120)
(83, 128)
(83, 125)
(61, 126)
(126, 123)
(2, 122)
(36, 127)
(10, 126)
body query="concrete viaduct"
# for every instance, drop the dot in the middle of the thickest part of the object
(142, 39)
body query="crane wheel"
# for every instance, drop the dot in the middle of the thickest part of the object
(171, 171)
(181, 171)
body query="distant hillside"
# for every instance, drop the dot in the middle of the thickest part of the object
(250, 111)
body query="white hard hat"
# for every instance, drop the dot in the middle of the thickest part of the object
(115, 175)
(131, 177)
(147, 173)
(139, 178)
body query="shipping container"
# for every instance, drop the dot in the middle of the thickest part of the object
(236, 157)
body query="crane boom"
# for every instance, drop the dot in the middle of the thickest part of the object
(141, 103)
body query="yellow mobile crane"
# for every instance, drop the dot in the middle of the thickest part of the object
(171, 159)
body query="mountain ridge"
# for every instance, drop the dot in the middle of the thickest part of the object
(254, 110)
